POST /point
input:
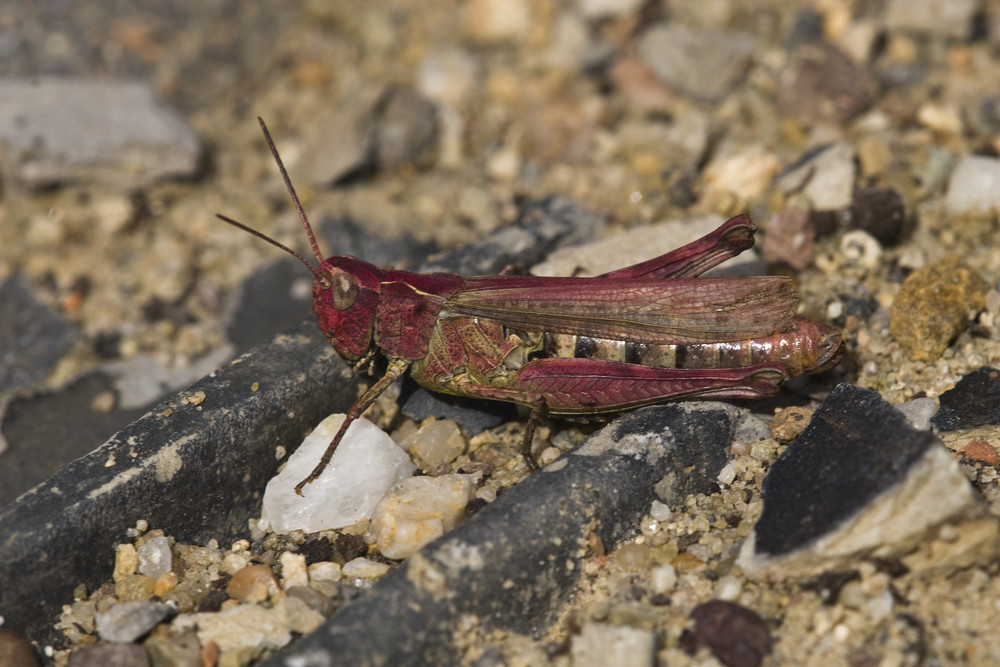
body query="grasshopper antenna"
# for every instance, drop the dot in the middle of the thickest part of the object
(278, 244)
(298, 207)
(291, 191)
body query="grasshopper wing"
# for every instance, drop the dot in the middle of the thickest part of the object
(674, 311)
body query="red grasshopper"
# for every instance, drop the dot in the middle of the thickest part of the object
(569, 346)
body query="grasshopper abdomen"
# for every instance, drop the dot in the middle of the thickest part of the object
(811, 347)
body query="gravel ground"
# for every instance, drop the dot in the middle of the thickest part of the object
(861, 136)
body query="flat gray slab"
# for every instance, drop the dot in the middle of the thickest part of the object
(77, 130)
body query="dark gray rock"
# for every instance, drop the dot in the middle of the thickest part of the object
(473, 415)
(348, 236)
(33, 337)
(541, 227)
(195, 470)
(40, 445)
(861, 482)
(267, 303)
(974, 401)
(375, 128)
(855, 447)
(407, 130)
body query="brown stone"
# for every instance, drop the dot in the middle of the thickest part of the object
(933, 307)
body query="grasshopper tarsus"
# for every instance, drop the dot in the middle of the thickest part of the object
(395, 370)
(636, 336)
(327, 455)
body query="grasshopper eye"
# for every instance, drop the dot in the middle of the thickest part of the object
(344, 289)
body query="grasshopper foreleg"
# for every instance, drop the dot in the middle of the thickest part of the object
(396, 369)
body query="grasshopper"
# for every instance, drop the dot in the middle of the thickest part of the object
(568, 346)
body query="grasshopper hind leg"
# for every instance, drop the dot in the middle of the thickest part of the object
(538, 413)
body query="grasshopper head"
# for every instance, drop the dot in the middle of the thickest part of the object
(345, 294)
(345, 289)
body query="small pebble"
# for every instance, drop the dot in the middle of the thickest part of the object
(233, 563)
(200, 557)
(859, 248)
(169, 648)
(659, 510)
(919, 412)
(789, 423)
(254, 583)
(128, 621)
(89, 129)
(727, 475)
(418, 510)
(744, 174)
(300, 615)
(929, 17)
(974, 186)
(364, 467)
(943, 118)
(977, 450)
(134, 587)
(314, 599)
(602, 644)
(126, 561)
(165, 583)
(363, 568)
(350, 546)
(154, 557)
(880, 212)
(438, 442)
(686, 563)
(101, 655)
(293, 570)
(933, 307)
(497, 21)
(244, 626)
(824, 177)
(325, 571)
(663, 578)
(16, 650)
(633, 557)
(825, 85)
(737, 636)
(728, 588)
(603, 9)
(705, 64)
(447, 76)
(790, 239)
